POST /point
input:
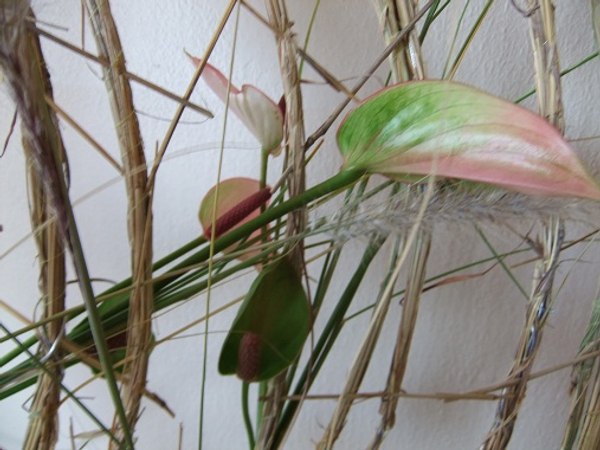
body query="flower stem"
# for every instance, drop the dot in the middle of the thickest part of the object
(246, 414)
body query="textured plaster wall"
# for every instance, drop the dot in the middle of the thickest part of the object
(466, 334)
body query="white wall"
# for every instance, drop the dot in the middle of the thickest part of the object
(467, 332)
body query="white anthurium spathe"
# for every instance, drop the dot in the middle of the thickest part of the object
(259, 113)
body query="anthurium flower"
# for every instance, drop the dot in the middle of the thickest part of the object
(452, 130)
(261, 115)
(239, 200)
(270, 328)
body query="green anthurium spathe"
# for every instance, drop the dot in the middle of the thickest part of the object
(451, 130)
(271, 326)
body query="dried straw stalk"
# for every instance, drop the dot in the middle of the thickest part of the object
(589, 427)
(583, 427)
(139, 204)
(362, 359)
(22, 64)
(28, 88)
(295, 135)
(407, 64)
(24, 79)
(42, 432)
(296, 221)
(406, 60)
(363, 356)
(543, 34)
(408, 321)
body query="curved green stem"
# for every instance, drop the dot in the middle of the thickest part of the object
(260, 404)
(246, 414)
(114, 311)
(337, 182)
(264, 164)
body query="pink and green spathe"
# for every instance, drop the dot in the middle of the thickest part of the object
(451, 130)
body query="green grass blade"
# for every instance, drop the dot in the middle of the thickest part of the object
(500, 260)
(327, 338)
(563, 73)
(468, 40)
(431, 15)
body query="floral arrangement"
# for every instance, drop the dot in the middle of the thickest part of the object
(416, 152)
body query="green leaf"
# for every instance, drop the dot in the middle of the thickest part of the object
(452, 130)
(270, 328)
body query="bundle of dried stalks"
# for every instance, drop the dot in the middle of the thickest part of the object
(294, 149)
(583, 427)
(547, 70)
(406, 64)
(409, 66)
(139, 204)
(406, 60)
(42, 432)
(28, 86)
